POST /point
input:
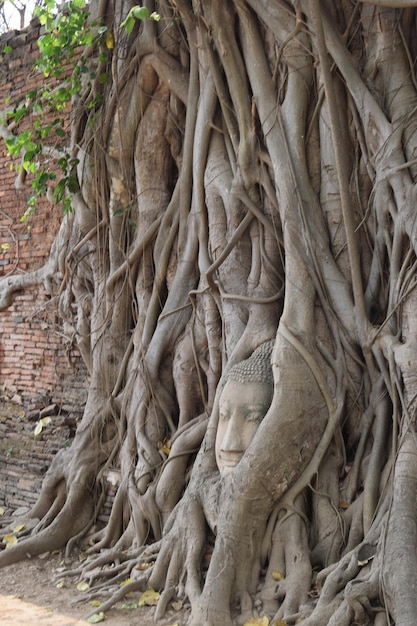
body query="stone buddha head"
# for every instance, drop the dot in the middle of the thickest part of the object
(244, 401)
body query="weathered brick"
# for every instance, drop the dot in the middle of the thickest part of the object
(32, 356)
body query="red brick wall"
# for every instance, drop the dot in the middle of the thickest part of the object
(25, 457)
(36, 363)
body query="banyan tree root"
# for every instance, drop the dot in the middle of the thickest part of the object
(245, 172)
(289, 575)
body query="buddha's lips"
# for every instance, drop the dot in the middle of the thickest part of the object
(230, 459)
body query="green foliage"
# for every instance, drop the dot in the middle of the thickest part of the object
(138, 13)
(65, 35)
(68, 185)
(29, 144)
(16, 144)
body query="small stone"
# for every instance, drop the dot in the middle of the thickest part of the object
(33, 416)
(21, 511)
(52, 409)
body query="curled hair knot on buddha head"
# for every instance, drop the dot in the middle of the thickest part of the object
(255, 369)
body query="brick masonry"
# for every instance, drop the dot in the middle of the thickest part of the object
(36, 362)
(38, 366)
(26, 454)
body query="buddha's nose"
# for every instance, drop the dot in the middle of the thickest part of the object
(232, 441)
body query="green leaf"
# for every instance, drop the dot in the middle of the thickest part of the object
(129, 24)
(67, 205)
(63, 163)
(43, 18)
(59, 190)
(29, 167)
(73, 186)
(140, 13)
(19, 114)
(29, 156)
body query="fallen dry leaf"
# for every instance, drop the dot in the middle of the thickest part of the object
(149, 597)
(10, 540)
(83, 586)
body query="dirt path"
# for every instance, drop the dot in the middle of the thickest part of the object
(20, 613)
(30, 596)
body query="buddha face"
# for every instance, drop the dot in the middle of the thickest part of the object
(242, 406)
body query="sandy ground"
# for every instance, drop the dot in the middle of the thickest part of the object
(29, 596)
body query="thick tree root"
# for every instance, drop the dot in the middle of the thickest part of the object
(289, 575)
(54, 536)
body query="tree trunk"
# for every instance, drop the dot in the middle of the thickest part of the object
(246, 174)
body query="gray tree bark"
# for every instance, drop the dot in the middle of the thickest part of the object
(250, 175)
